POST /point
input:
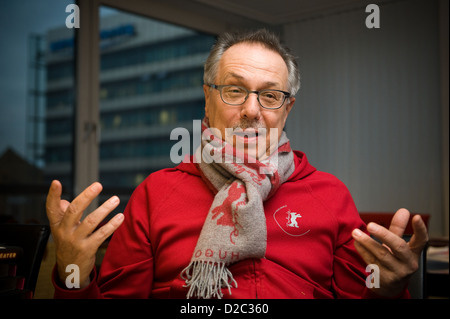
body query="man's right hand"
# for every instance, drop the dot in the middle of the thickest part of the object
(77, 241)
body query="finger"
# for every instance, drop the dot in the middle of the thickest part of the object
(53, 208)
(101, 234)
(399, 222)
(76, 208)
(369, 249)
(420, 237)
(94, 219)
(368, 257)
(396, 244)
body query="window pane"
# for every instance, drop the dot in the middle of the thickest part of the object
(151, 76)
(36, 113)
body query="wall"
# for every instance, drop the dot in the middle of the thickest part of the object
(369, 108)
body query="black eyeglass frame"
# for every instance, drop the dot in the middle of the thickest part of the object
(220, 87)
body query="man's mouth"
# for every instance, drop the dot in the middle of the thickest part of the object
(247, 139)
(247, 133)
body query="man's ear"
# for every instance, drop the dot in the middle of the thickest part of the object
(289, 108)
(290, 105)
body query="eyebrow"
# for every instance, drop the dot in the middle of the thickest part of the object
(240, 77)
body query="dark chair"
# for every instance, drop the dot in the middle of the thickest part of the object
(384, 219)
(418, 282)
(32, 239)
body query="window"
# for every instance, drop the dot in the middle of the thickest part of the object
(36, 115)
(150, 82)
(151, 78)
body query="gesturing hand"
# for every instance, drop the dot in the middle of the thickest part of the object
(396, 258)
(75, 240)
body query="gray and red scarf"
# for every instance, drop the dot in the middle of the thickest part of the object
(235, 227)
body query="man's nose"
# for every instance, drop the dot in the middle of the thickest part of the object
(251, 109)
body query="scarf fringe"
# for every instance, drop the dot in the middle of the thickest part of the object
(205, 279)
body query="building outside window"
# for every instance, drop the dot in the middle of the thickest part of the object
(151, 82)
(151, 76)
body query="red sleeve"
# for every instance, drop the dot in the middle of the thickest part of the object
(90, 292)
(127, 267)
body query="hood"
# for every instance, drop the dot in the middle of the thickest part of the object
(302, 167)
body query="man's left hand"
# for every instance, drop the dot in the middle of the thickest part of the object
(396, 258)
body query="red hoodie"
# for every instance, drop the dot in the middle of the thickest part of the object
(310, 251)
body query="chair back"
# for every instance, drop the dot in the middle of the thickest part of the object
(31, 240)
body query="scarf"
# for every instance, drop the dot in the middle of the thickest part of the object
(235, 226)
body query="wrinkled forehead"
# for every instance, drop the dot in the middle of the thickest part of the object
(246, 60)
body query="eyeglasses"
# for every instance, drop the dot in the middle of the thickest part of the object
(237, 95)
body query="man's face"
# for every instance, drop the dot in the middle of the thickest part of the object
(256, 68)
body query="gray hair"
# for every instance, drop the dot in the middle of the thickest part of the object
(261, 36)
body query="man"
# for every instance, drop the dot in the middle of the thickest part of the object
(232, 222)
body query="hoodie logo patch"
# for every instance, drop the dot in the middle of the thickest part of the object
(289, 221)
